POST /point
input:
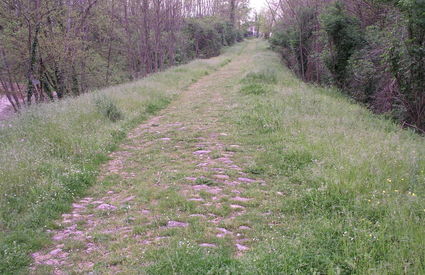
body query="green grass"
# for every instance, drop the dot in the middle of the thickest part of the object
(50, 154)
(343, 189)
(354, 182)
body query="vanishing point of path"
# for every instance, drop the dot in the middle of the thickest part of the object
(179, 177)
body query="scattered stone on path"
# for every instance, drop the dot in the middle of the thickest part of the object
(177, 224)
(232, 183)
(240, 199)
(241, 247)
(128, 199)
(219, 170)
(196, 199)
(146, 242)
(40, 258)
(244, 227)
(206, 188)
(86, 200)
(160, 238)
(225, 160)
(191, 178)
(202, 152)
(247, 180)
(52, 262)
(110, 192)
(222, 177)
(224, 230)
(55, 252)
(236, 206)
(223, 233)
(165, 139)
(78, 206)
(105, 206)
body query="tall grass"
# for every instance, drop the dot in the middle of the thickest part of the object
(51, 153)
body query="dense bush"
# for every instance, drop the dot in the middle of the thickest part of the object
(205, 36)
(344, 36)
(374, 52)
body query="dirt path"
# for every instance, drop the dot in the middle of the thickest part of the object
(178, 177)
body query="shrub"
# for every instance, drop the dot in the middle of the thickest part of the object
(107, 107)
(206, 36)
(344, 37)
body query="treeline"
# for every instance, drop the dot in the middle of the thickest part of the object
(53, 48)
(373, 50)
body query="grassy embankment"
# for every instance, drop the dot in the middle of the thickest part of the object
(51, 153)
(353, 182)
(345, 188)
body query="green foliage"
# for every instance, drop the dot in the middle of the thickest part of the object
(207, 35)
(377, 60)
(295, 41)
(367, 70)
(406, 57)
(345, 37)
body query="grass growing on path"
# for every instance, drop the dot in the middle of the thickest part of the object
(251, 171)
(51, 153)
(347, 187)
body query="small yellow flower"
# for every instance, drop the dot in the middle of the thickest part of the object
(396, 191)
(402, 179)
(389, 180)
(413, 195)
